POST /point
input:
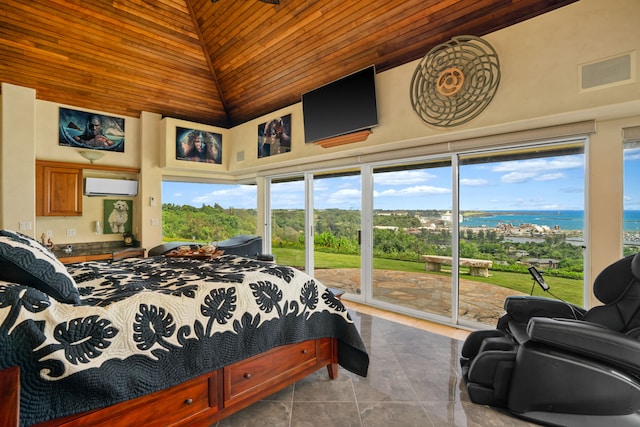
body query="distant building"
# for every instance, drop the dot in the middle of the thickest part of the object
(386, 227)
(448, 215)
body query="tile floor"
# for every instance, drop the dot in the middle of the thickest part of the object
(414, 380)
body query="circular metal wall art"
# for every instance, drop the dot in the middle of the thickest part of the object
(455, 81)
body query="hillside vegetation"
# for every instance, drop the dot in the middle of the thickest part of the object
(395, 236)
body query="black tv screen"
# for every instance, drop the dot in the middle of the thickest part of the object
(344, 106)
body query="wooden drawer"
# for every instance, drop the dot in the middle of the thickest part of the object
(84, 258)
(99, 257)
(249, 376)
(72, 259)
(190, 399)
(10, 402)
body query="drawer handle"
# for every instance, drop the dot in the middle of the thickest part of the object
(304, 351)
(189, 401)
(247, 375)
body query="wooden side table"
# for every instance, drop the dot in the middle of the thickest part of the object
(10, 402)
(129, 253)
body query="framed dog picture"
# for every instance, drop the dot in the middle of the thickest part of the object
(118, 216)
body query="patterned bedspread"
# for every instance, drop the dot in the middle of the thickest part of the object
(146, 324)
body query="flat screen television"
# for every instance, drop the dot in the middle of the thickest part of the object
(343, 106)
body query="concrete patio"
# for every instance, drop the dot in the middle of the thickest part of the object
(426, 292)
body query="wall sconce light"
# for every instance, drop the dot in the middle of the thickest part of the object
(91, 155)
(98, 227)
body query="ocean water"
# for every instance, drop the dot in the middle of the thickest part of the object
(566, 220)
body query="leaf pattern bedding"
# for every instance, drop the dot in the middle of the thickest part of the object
(145, 324)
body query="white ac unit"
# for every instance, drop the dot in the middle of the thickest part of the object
(110, 187)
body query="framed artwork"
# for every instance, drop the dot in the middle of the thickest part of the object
(274, 136)
(198, 146)
(89, 130)
(118, 216)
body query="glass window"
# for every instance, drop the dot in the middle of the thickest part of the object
(631, 223)
(204, 213)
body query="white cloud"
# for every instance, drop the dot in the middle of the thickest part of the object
(631, 154)
(550, 176)
(402, 177)
(238, 196)
(541, 165)
(476, 182)
(516, 177)
(346, 195)
(418, 190)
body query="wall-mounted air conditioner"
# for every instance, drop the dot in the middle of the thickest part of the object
(110, 187)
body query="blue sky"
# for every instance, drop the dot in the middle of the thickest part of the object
(548, 183)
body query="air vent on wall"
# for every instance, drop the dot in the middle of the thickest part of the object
(606, 72)
(110, 187)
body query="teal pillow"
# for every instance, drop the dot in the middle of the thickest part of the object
(25, 261)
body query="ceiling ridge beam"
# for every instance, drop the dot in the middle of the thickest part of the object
(205, 52)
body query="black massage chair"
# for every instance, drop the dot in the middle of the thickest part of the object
(556, 364)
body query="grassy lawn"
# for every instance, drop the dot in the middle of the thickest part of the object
(569, 290)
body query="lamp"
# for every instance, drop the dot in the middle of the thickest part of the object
(91, 155)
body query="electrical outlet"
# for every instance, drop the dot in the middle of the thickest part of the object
(154, 221)
(71, 232)
(49, 234)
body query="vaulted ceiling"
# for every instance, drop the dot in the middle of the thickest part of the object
(224, 62)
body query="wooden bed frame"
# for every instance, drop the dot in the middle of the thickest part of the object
(202, 400)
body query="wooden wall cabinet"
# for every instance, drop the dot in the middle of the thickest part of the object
(58, 190)
(59, 186)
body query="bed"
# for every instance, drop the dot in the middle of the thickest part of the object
(160, 340)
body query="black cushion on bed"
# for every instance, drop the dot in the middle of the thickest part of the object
(242, 245)
(25, 261)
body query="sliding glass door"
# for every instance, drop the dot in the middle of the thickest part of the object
(412, 224)
(336, 229)
(447, 238)
(520, 208)
(287, 200)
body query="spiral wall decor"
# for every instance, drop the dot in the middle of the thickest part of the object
(455, 81)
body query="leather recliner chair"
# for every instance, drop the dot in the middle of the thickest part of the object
(557, 364)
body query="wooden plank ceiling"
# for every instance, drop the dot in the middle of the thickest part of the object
(226, 62)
